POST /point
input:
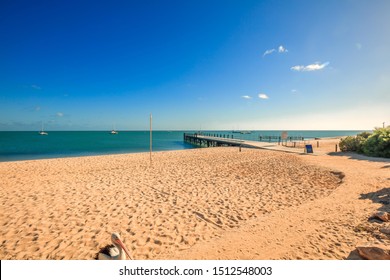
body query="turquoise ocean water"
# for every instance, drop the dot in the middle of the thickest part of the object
(26, 145)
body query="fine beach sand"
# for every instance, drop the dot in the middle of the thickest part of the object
(214, 203)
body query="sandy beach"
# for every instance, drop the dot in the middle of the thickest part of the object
(211, 203)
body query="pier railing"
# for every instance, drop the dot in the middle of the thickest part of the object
(211, 140)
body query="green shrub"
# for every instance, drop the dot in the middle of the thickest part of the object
(364, 135)
(361, 138)
(378, 143)
(349, 144)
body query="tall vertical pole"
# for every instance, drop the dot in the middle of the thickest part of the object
(151, 139)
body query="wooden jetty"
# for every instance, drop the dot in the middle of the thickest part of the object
(212, 141)
(221, 140)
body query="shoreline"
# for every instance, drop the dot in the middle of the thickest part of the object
(97, 155)
(63, 144)
(147, 152)
(214, 203)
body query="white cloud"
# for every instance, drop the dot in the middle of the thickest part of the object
(59, 114)
(316, 66)
(294, 91)
(282, 49)
(298, 68)
(268, 52)
(246, 97)
(311, 67)
(263, 96)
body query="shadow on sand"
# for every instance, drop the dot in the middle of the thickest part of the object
(361, 157)
(381, 197)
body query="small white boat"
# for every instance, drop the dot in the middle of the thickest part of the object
(113, 131)
(242, 131)
(42, 132)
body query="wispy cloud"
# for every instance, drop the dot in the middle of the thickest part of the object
(294, 91)
(36, 87)
(246, 97)
(359, 46)
(263, 96)
(60, 114)
(267, 52)
(35, 108)
(311, 67)
(298, 68)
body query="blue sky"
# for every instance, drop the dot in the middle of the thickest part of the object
(87, 65)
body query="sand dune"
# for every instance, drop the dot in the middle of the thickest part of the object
(215, 203)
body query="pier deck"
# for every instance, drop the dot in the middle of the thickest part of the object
(210, 141)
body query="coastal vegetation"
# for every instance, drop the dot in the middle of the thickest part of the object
(376, 144)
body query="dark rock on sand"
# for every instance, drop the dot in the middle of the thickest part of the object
(383, 216)
(373, 253)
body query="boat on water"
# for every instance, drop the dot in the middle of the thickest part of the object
(42, 132)
(113, 131)
(241, 131)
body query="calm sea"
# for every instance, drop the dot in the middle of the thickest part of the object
(26, 145)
